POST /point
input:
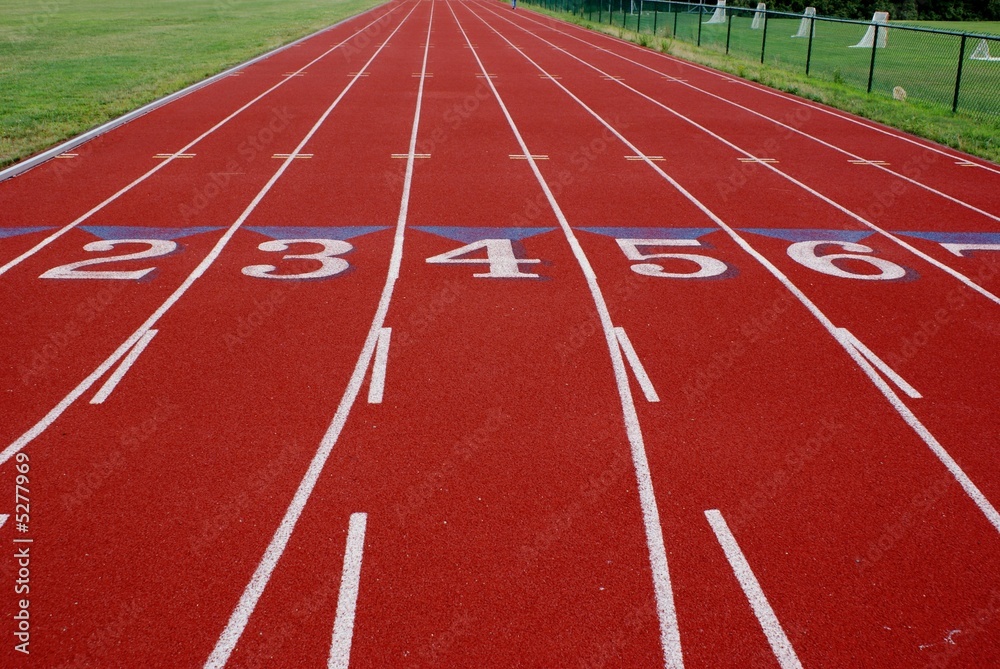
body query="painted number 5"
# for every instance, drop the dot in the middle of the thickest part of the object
(330, 264)
(707, 267)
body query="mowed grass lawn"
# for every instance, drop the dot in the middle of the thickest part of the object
(69, 65)
(923, 64)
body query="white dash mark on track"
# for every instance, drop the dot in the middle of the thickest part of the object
(780, 644)
(123, 368)
(637, 369)
(3, 518)
(377, 386)
(347, 600)
(848, 339)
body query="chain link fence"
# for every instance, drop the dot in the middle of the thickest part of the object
(950, 69)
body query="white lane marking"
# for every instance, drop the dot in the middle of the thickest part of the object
(637, 369)
(836, 205)
(3, 518)
(377, 386)
(123, 368)
(61, 231)
(769, 622)
(847, 337)
(908, 416)
(347, 600)
(732, 79)
(258, 582)
(198, 271)
(670, 637)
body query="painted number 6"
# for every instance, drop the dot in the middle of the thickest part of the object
(805, 254)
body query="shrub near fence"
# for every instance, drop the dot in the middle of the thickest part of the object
(951, 69)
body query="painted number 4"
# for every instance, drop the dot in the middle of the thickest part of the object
(500, 257)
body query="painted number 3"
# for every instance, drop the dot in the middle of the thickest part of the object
(329, 263)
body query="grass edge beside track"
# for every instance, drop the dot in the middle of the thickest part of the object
(143, 79)
(972, 134)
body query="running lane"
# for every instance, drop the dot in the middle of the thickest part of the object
(673, 81)
(60, 324)
(160, 494)
(43, 200)
(503, 524)
(848, 519)
(802, 235)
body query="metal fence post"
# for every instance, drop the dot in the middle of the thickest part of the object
(654, 19)
(871, 67)
(809, 49)
(701, 15)
(763, 39)
(729, 31)
(674, 34)
(958, 77)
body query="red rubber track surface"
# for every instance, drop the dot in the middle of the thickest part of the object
(501, 473)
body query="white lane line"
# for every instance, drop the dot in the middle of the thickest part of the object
(848, 338)
(63, 230)
(812, 191)
(670, 637)
(775, 634)
(123, 368)
(732, 79)
(980, 500)
(637, 369)
(347, 600)
(377, 386)
(198, 271)
(3, 518)
(262, 575)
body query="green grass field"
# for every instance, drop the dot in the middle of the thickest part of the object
(924, 64)
(838, 76)
(66, 66)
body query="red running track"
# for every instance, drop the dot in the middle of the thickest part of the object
(466, 338)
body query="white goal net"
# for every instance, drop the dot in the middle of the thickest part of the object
(878, 21)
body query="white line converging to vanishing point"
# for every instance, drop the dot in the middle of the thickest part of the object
(347, 600)
(377, 385)
(780, 644)
(637, 369)
(116, 377)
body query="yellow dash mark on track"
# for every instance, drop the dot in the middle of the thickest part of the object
(757, 160)
(657, 159)
(612, 78)
(289, 155)
(966, 163)
(174, 155)
(294, 74)
(356, 74)
(415, 155)
(66, 156)
(868, 162)
(514, 156)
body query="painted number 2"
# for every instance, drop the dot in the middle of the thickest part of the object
(157, 248)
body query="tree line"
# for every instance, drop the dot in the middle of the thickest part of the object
(925, 10)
